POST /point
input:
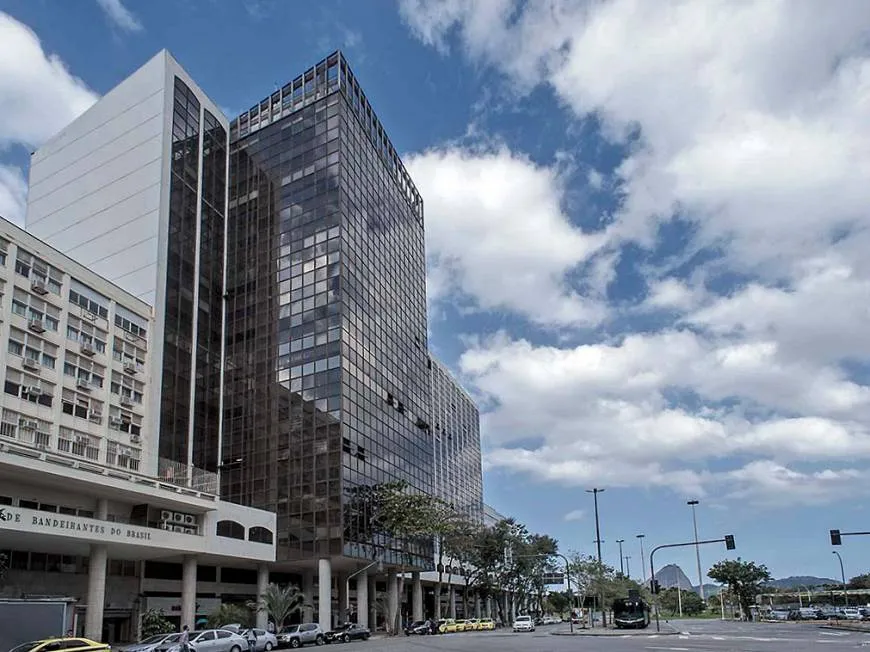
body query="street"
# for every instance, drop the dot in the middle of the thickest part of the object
(702, 635)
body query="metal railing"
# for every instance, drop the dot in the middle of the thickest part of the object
(183, 475)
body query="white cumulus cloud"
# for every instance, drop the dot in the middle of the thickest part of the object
(120, 15)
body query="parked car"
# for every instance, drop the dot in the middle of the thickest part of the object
(65, 644)
(348, 632)
(418, 627)
(524, 624)
(472, 625)
(486, 624)
(266, 641)
(298, 635)
(209, 640)
(151, 643)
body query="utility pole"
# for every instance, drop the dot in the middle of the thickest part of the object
(640, 538)
(595, 493)
(843, 577)
(621, 558)
(692, 504)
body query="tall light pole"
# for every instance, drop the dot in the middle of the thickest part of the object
(692, 504)
(843, 577)
(642, 557)
(595, 493)
(621, 558)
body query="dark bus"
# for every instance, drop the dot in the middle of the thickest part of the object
(630, 613)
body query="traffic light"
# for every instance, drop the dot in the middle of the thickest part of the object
(729, 542)
(836, 540)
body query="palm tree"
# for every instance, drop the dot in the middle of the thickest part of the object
(280, 602)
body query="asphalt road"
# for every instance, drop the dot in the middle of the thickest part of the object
(701, 636)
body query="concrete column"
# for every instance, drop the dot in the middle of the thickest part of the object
(373, 599)
(362, 599)
(477, 608)
(417, 602)
(451, 602)
(188, 592)
(343, 601)
(262, 584)
(392, 600)
(308, 590)
(97, 559)
(324, 594)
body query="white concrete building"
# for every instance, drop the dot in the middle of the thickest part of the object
(81, 509)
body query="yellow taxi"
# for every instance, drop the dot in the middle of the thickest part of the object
(64, 644)
(472, 625)
(449, 626)
(486, 624)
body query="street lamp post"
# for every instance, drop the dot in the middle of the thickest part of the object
(621, 558)
(692, 504)
(640, 538)
(843, 577)
(595, 491)
(627, 566)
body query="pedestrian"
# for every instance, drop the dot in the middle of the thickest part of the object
(270, 627)
(184, 640)
(69, 633)
(252, 640)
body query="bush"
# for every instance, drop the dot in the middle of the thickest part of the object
(154, 622)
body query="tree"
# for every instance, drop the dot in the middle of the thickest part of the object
(452, 532)
(154, 622)
(860, 582)
(404, 516)
(280, 602)
(559, 601)
(691, 601)
(744, 579)
(230, 614)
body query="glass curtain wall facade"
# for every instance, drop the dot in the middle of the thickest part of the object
(191, 380)
(327, 379)
(456, 433)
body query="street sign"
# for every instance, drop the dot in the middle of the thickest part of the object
(553, 578)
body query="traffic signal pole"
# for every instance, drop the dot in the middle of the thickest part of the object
(728, 540)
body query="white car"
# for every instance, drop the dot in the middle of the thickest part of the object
(524, 624)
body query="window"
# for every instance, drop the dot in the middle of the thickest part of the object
(38, 271)
(31, 347)
(84, 370)
(80, 444)
(80, 330)
(127, 388)
(88, 304)
(80, 405)
(4, 248)
(125, 421)
(129, 326)
(35, 310)
(128, 352)
(28, 387)
(122, 456)
(29, 430)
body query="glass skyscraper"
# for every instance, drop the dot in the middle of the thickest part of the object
(327, 374)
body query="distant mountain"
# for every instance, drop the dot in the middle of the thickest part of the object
(672, 576)
(798, 581)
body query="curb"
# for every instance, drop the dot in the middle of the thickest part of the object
(847, 628)
(619, 633)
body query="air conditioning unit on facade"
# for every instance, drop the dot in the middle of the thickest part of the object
(115, 421)
(32, 390)
(29, 363)
(87, 349)
(126, 401)
(38, 286)
(131, 367)
(81, 439)
(81, 383)
(27, 424)
(36, 325)
(96, 417)
(135, 439)
(130, 337)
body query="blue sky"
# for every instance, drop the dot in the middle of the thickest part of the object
(646, 230)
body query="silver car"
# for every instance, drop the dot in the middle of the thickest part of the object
(210, 640)
(265, 641)
(151, 643)
(298, 635)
